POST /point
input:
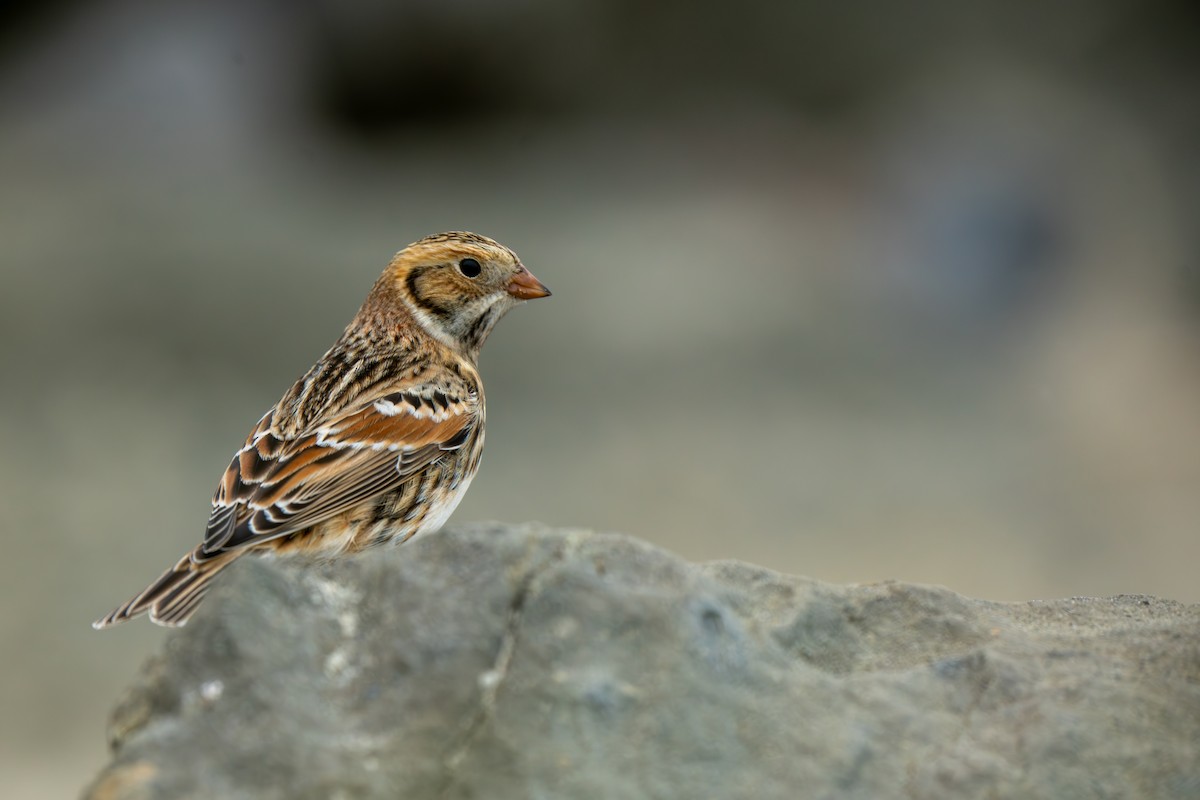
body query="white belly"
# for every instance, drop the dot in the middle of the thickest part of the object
(440, 512)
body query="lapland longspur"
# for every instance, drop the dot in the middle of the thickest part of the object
(379, 440)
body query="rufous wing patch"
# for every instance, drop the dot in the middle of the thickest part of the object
(277, 486)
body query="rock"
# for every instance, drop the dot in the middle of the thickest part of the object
(522, 662)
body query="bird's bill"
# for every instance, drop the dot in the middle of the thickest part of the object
(524, 286)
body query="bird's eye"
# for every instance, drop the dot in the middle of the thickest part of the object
(469, 267)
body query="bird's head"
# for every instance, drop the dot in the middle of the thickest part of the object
(458, 285)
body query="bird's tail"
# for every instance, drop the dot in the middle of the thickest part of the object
(172, 598)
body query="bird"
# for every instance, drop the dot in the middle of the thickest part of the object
(378, 441)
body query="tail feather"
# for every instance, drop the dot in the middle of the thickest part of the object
(172, 598)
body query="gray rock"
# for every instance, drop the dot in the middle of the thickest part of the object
(521, 662)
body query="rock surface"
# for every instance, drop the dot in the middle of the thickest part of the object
(523, 662)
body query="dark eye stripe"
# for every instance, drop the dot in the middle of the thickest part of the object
(428, 303)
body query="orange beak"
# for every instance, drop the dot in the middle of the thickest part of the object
(524, 286)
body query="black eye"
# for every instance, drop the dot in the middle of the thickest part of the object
(470, 267)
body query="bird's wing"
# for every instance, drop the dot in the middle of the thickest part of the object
(275, 486)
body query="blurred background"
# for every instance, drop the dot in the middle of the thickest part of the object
(858, 291)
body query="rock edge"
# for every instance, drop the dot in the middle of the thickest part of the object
(518, 661)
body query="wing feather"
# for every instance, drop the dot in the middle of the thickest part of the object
(277, 485)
